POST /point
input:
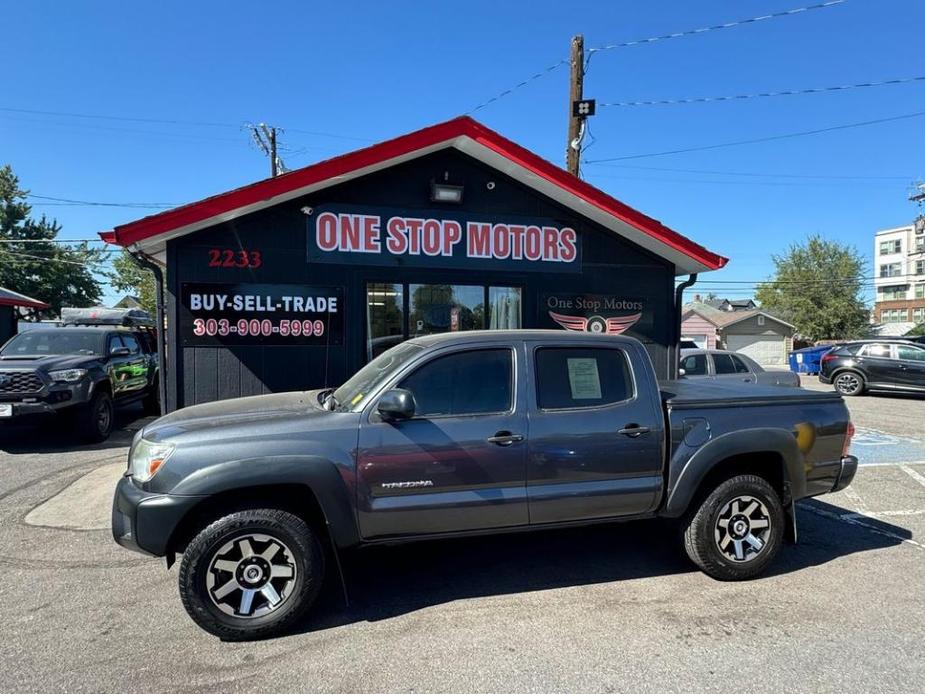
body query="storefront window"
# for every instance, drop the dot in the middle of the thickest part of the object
(504, 308)
(440, 308)
(385, 317)
(436, 308)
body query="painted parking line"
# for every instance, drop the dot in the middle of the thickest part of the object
(873, 447)
(913, 474)
(856, 519)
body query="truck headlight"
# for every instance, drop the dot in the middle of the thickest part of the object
(67, 375)
(147, 457)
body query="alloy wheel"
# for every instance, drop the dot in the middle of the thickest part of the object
(848, 383)
(743, 529)
(251, 576)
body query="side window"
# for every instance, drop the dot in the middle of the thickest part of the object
(572, 377)
(475, 382)
(877, 351)
(723, 364)
(694, 365)
(910, 353)
(740, 366)
(131, 343)
(115, 341)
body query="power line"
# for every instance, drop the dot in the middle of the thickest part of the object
(67, 201)
(770, 138)
(759, 95)
(519, 85)
(166, 121)
(715, 27)
(755, 174)
(51, 241)
(51, 260)
(652, 39)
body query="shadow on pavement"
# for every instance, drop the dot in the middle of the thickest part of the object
(385, 582)
(55, 434)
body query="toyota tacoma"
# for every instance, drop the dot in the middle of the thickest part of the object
(459, 434)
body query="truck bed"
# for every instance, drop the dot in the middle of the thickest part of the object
(685, 394)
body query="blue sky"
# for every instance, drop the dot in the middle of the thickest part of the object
(336, 76)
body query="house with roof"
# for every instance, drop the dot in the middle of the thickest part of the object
(11, 305)
(751, 331)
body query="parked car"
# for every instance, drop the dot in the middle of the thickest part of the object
(720, 365)
(467, 433)
(80, 373)
(855, 368)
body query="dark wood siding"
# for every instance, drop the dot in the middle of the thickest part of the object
(610, 266)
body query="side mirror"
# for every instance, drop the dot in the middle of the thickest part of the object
(395, 404)
(119, 351)
(681, 372)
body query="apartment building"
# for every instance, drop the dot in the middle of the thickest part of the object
(899, 262)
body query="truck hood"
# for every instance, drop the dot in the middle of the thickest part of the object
(254, 410)
(50, 362)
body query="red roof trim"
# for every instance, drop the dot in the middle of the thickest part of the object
(224, 203)
(27, 303)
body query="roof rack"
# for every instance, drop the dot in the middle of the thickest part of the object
(98, 315)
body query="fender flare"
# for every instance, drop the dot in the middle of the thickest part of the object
(319, 475)
(743, 442)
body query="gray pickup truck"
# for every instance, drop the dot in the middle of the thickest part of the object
(457, 434)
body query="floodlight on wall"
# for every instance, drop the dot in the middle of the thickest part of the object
(443, 192)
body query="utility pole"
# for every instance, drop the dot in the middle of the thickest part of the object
(576, 92)
(265, 138)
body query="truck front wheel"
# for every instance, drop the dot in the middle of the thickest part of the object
(737, 530)
(251, 574)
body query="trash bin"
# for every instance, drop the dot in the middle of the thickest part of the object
(807, 360)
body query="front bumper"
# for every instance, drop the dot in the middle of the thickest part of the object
(849, 466)
(144, 521)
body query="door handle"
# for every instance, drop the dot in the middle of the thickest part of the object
(505, 438)
(633, 431)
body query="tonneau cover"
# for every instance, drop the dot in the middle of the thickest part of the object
(683, 394)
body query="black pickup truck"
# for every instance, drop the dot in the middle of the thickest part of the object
(77, 373)
(457, 434)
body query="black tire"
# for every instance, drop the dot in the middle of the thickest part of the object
(299, 548)
(849, 383)
(703, 534)
(152, 401)
(94, 421)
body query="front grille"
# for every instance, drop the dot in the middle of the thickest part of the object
(20, 382)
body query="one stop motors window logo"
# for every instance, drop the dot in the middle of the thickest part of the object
(608, 315)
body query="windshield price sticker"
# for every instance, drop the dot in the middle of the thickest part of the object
(244, 314)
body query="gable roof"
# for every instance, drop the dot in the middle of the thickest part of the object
(464, 134)
(10, 298)
(722, 319)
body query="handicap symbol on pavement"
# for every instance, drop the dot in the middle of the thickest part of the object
(874, 447)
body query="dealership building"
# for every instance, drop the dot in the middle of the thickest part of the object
(295, 282)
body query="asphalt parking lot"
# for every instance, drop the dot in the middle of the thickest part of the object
(608, 609)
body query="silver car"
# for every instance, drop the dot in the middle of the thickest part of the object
(731, 366)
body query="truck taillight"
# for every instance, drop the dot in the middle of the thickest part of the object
(849, 434)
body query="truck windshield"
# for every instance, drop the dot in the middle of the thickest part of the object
(363, 382)
(59, 341)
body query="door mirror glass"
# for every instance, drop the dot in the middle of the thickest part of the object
(395, 404)
(682, 372)
(119, 351)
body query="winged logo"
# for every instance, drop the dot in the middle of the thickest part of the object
(596, 324)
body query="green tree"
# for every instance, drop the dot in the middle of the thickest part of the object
(817, 288)
(32, 263)
(128, 276)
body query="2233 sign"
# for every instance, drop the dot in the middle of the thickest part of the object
(227, 257)
(215, 315)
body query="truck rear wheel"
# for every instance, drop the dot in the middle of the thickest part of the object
(737, 530)
(251, 574)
